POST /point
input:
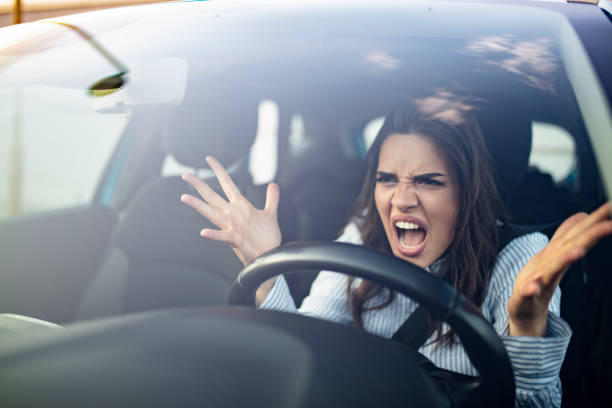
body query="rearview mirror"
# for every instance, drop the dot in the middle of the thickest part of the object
(159, 82)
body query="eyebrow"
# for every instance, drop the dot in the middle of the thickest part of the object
(430, 175)
(423, 175)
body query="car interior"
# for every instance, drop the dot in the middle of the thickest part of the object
(137, 248)
(164, 264)
(148, 265)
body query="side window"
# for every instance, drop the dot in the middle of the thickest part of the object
(370, 131)
(263, 160)
(547, 191)
(53, 148)
(553, 151)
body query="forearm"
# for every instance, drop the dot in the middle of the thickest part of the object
(263, 291)
(274, 294)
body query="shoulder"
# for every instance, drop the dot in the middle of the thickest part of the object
(512, 258)
(523, 247)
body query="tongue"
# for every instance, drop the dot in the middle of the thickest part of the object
(412, 237)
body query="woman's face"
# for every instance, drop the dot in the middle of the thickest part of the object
(416, 197)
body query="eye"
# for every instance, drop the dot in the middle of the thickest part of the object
(382, 177)
(427, 181)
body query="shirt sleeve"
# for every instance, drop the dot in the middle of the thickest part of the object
(327, 297)
(279, 298)
(536, 361)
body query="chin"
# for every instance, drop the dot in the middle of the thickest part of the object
(417, 260)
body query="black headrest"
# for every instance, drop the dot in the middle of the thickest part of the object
(507, 135)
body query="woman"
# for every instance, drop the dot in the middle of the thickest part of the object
(430, 198)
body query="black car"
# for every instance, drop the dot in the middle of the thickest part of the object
(102, 112)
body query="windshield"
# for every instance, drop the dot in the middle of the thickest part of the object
(311, 99)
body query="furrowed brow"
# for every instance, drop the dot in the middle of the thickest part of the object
(430, 175)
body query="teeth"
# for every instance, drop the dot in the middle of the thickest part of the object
(411, 247)
(406, 225)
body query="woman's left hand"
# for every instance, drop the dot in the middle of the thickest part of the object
(537, 281)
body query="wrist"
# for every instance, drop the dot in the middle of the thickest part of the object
(528, 327)
(249, 253)
(268, 245)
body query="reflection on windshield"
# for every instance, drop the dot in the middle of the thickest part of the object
(446, 105)
(383, 60)
(263, 160)
(533, 61)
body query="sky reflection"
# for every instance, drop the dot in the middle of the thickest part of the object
(532, 60)
(383, 60)
(446, 105)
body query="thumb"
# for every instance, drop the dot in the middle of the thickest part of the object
(272, 198)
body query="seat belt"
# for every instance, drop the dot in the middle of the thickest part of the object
(415, 331)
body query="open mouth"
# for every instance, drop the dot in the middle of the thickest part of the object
(411, 236)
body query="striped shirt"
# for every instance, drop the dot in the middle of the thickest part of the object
(536, 361)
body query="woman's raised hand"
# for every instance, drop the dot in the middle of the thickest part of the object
(249, 231)
(535, 284)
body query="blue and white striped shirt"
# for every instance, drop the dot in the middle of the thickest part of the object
(536, 360)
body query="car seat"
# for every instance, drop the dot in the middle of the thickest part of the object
(156, 257)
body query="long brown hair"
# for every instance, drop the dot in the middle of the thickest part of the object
(468, 261)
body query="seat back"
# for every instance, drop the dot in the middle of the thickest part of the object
(156, 257)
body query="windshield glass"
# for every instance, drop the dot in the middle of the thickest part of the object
(54, 145)
(312, 98)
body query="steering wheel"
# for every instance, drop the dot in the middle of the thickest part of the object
(480, 341)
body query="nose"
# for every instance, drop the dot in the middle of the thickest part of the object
(405, 196)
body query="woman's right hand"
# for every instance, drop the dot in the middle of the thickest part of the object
(249, 231)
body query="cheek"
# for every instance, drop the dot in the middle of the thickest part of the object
(442, 210)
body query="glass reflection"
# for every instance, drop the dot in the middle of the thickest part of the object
(383, 60)
(447, 105)
(534, 61)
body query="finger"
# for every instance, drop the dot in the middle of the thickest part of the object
(531, 289)
(570, 253)
(204, 209)
(227, 184)
(593, 235)
(568, 224)
(558, 266)
(272, 198)
(204, 190)
(602, 213)
(564, 256)
(218, 235)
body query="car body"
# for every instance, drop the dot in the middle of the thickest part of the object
(102, 111)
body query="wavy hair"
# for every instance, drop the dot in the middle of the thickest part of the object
(467, 262)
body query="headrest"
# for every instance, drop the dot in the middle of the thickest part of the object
(508, 139)
(225, 128)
